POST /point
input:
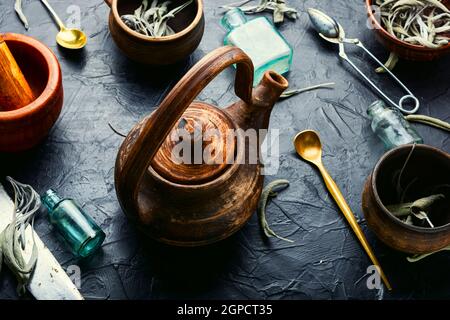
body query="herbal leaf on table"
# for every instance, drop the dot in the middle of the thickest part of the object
(293, 92)
(266, 194)
(278, 7)
(18, 8)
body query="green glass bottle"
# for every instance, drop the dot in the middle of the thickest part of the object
(79, 230)
(260, 40)
(390, 126)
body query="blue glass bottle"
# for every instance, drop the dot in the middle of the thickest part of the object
(80, 231)
(260, 40)
(390, 126)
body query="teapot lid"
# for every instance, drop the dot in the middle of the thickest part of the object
(200, 147)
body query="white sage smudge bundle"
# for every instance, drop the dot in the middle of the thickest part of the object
(419, 22)
(278, 7)
(22, 17)
(152, 20)
(12, 240)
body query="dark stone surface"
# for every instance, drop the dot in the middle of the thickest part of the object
(325, 261)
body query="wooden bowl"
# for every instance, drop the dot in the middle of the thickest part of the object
(403, 49)
(188, 24)
(24, 128)
(432, 167)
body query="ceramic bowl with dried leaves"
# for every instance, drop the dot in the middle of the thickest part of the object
(404, 49)
(188, 27)
(427, 172)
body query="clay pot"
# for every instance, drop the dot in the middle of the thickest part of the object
(24, 128)
(403, 49)
(188, 24)
(432, 167)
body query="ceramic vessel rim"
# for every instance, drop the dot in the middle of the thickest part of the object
(375, 173)
(209, 108)
(52, 83)
(226, 174)
(172, 37)
(399, 42)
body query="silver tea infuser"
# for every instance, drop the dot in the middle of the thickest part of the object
(330, 30)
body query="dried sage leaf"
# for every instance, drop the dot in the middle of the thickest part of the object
(293, 92)
(18, 8)
(278, 7)
(417, 22)
(429, 121)
(401, 192)
(265, 195)
(422, 204)
(422, 215)
(390, 63)
(400, 210)
(152, 20)
(419, 208)
(418, 257)
(409, 221)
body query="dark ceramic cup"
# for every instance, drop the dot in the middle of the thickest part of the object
(431, 167)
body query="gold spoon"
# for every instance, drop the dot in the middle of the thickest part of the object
(67, 38)
(308, 146)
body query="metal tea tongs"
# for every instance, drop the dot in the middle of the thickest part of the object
(332, 31)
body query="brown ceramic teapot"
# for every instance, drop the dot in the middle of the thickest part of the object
(191, 204)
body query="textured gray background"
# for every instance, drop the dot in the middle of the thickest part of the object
(324, 262)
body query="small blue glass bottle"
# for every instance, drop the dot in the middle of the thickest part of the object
(80, 231)
(260, 40)
(390, 126)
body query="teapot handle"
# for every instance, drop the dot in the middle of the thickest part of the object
(133, 165)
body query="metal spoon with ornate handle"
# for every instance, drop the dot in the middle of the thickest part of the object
(308, 146)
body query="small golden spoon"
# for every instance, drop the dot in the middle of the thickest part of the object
(308, 146)
(67, 38)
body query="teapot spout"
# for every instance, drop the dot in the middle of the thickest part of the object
(269, 90)
(256, 114)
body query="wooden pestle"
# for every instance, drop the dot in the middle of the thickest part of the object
(15, 92)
